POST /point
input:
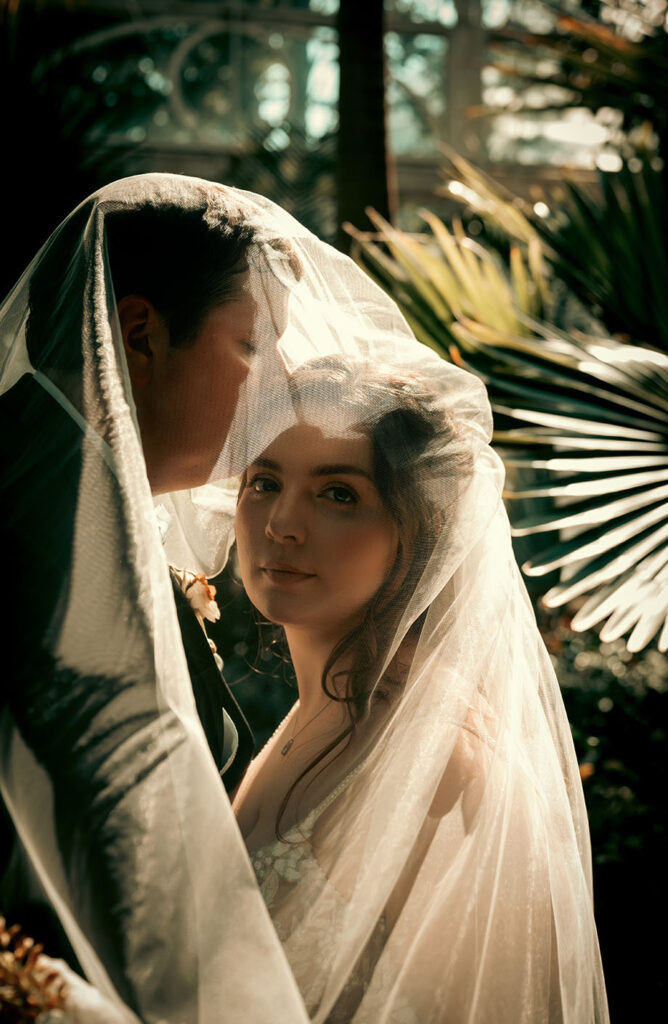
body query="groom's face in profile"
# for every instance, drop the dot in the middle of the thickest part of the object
(186, 396)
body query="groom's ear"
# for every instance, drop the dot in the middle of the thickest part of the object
(143, 332)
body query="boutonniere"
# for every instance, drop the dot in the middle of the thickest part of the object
(202, 597)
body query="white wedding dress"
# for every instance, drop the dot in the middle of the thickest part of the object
(289, 862)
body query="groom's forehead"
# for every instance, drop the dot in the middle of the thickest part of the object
(244, 310)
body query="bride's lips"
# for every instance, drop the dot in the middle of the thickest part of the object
(281, 572)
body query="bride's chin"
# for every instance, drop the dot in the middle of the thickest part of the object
(272, 614)
(324, 624)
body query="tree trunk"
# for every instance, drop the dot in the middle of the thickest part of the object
(362, 160)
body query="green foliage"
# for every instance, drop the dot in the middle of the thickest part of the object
(618, 704)
(594, 65)
(580, 420)
(612, 251)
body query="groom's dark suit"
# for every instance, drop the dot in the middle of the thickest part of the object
(212, 695)
(40, 463)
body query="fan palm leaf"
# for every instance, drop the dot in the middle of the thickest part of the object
(581, 421)
(592, 416)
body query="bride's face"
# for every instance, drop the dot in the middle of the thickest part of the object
(314, 539)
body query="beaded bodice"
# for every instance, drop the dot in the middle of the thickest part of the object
(284, 869)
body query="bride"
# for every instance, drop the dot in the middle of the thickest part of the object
(415, 823)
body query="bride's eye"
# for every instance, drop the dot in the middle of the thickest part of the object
(262, 484)
(340, 495)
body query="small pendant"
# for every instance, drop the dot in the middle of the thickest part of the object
(287, 746)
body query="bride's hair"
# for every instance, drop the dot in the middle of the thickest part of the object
(185, 260)
(416, 455)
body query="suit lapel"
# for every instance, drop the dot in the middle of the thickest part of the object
(212, 694)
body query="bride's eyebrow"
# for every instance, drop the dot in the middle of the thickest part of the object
(264, 463)
(332, 469)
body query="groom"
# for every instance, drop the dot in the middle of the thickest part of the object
(186, 370)
(186, 318)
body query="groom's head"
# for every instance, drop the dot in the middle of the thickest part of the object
(194, 289)
(187, 316)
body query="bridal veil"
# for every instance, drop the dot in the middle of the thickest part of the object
(465, 812)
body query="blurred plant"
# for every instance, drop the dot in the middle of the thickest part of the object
(617, 703)
(612, 251)
(581, 420)
(441, 279)
(617, 61)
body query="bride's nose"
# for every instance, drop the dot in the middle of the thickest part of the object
(286, 522)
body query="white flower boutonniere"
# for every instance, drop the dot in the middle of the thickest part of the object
(202, 597)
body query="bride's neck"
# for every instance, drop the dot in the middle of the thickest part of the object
(309, 655)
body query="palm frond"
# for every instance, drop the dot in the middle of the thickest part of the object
(610, 249)
(593, 66)
(597, 427)
(581, 421)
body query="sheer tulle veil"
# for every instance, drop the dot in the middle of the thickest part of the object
(494, 920)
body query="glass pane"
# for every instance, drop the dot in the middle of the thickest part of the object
(255, 105)
(201, 84)
(324, 6)
(441, 12)
(495, 13)
(321, 6)
(534, 15)
(416, 91)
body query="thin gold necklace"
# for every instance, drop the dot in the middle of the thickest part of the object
(286, 746)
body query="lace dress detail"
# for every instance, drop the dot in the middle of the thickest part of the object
(279, 867)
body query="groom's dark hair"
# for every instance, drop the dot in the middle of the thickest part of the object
(185, 260)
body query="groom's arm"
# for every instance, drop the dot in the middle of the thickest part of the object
(103, 742)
